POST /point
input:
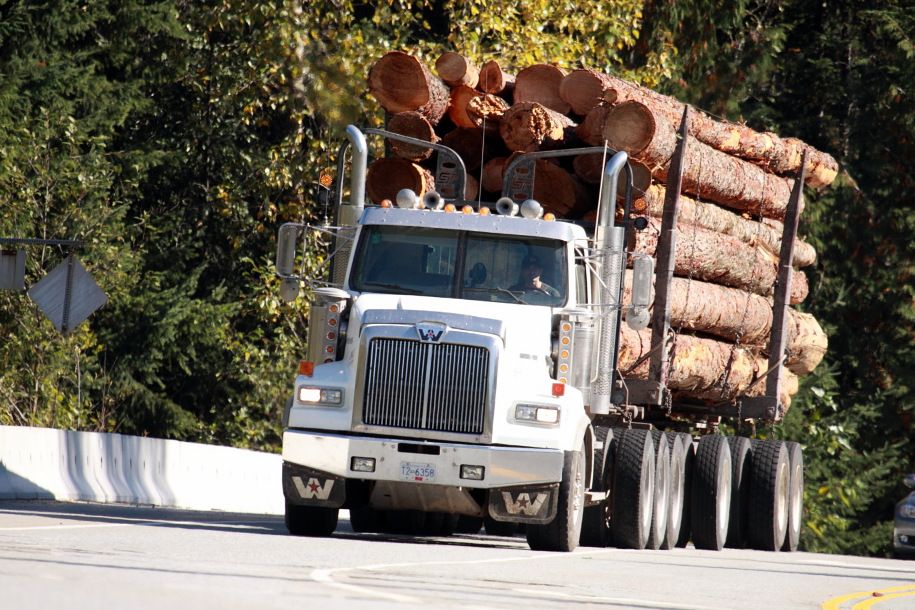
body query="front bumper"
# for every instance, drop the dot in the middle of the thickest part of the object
(504, 466)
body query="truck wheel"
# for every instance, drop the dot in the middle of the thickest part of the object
(311, 520)
(741, 465)
(689, 463)
(449, 524)
(711, 493)
(365, 520)
(469, 525)
(499, 528)
(595, 524)
(633, 489)
(795, 496)
(563, 532)
(677, 490)
(406, 522)
(661, 507)
(768, 515)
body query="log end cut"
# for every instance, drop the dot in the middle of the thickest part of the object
(400, 82)
(583, 90)
(455, 69)
(540, 83)
(630, 126)
(413, 125)
(386, 177)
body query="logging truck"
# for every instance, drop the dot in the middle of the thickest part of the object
(464, 365)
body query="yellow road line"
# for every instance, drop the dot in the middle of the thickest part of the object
(836, 602)
(876, 600)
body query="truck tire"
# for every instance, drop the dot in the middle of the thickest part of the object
(595, 524)
(741, 466)
(468, 525)
(689, 463)
(633, 489)
(563, 532)
(795, 496)
(365, 520)
(711, 493)
(449, 524)
(660, 509)
(311, 520)
(405, 522)
(768, 514)
(677, 490)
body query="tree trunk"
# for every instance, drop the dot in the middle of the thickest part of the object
(529, 126)
(698, 368)
(471, 188)
(707, 173)
(492, 175)
(558, 191)
(720, 259)
(714, 218)
(401, 82)
(389, 175)
(469, 144)
(584, 89)
(461, 95)
(779, 155)
(730, 313)
(414, 125)
(455, 69)
(590, 168)
(540, 83)
(494, 80)
(486, 111)
(591, 129)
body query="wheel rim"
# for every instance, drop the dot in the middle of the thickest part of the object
(646, 498)
(782, 498)
(724, 502)
(676, 498)
(796, 497)
(578, 500)
(662, 494)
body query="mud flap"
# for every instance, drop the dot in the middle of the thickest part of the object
(536, 504)
(310, 487)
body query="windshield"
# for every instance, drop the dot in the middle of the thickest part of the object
(460, 264)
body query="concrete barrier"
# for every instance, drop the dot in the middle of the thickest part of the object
(43, 463)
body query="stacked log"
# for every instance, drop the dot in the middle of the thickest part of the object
(735, 190)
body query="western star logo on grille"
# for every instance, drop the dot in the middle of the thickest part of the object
(431, 331)
(314, 489)
(523, 503)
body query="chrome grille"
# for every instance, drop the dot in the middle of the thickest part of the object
(425, 386)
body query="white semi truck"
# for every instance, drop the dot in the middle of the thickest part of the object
(461, 366)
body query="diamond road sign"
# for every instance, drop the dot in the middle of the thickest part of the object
(67, 295)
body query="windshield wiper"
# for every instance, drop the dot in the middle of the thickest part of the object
(394, 287)
(499, 290)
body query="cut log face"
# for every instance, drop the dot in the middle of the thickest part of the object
(558, 191)
(591, 129)
(720, 259)
(529, 126)
(414, 125)
(584, 89)
(540, 83)
(471, 188)
(455, 69)
(494, 80)
(461, 96)
(486, 111)
(492, 175)
(708, 173)
(469, 144)
(386, 177)
(401, 83)
(709, 216)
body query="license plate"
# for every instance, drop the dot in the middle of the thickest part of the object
(413, 471)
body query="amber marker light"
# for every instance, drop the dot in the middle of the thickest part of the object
(449, 207)
(485, 211)
(467, 210)
(549, 217)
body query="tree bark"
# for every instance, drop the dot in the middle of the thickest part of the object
(540, 83)
(414, 125)
(389, 175)
(461, 96)
(714, 218)
(401, 82)
(698, 368)
(455, 69)
(708, 173)
(486, 111)
(720, 259)
(584, 89)
(529, 126)
(494, 80)
(732, 314)
(779, 155)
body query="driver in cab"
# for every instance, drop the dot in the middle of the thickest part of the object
(531, 270)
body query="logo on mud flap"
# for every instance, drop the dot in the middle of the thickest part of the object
(313, 489)
(431, 331)
(523, 505)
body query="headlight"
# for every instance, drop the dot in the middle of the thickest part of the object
(907, 511)
(320, 396)
(538, 414)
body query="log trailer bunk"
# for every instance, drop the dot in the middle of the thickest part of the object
(583, 459)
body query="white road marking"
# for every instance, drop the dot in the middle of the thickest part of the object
(62, 527)
(621, 601)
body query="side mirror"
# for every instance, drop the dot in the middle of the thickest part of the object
(285, 248)
(909, 481)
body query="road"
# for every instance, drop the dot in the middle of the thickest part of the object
(57, 555)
